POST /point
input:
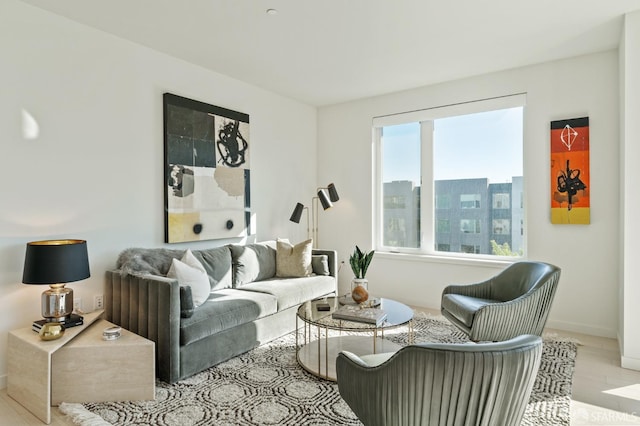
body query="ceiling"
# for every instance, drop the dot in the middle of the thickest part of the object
(323, 52)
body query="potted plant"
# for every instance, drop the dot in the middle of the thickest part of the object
(360, 261)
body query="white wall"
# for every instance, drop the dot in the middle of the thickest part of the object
(630, 179)
(96, 170)
(587, 297)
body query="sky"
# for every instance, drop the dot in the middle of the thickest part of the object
(486, 144)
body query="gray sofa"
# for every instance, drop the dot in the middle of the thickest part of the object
(248, 304)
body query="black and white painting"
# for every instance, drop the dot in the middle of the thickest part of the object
(207, 171)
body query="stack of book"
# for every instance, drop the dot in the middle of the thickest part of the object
(358, 314)
(71, 322)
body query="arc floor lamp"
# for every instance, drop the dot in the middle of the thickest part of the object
(322, 198)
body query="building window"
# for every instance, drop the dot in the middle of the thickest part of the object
(469, 201)
(470, 226)
(444, 226)
(501, 227)
(466, 248)
(501, 201)
(394, 202)
(443, 201)
(422, 177)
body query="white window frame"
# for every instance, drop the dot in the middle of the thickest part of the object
(427, 202)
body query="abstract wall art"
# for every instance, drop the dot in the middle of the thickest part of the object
(207, 174)
(570, 178)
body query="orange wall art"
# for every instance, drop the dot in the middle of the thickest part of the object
(570, 203)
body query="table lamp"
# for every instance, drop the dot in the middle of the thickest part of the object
(55, 263)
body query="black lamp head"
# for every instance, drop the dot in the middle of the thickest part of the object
(333, 193)
(55, 261)
(297, 213)
(324, 199)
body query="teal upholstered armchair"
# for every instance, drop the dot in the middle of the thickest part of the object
(442, 384)
(514, 302)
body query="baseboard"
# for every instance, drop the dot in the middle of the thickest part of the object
(630, 363)
(625, 361)
(581, 328)
(3, 381)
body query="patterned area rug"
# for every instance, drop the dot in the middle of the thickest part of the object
(267, 387)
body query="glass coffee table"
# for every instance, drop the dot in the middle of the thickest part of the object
(322, 338)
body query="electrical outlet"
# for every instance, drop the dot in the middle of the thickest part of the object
(98, 302)
(77, 304)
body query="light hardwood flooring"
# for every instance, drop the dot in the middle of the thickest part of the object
(603, 393)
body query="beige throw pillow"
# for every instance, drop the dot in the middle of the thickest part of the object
(293, 261)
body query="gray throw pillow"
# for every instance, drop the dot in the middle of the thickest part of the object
(217, 263)
(252, 262)
(186, 302)
(320, 264)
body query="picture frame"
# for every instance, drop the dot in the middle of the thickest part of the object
(570, 175)
(207, 173)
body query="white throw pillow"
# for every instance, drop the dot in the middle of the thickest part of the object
(293, 261)
(190, 272)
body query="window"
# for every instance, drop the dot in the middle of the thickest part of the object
(395, 232)
(458, 164)
(394, 202)
(466, 248)
(501, 226)
(501, 201)
(470, 201)
(443, 201)
(444, 226)
(470, 226)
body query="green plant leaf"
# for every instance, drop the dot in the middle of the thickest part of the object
(359, 261)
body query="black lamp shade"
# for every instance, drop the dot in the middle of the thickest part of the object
(297, 213)
(333, 193)
(56, 262)
(324, 200)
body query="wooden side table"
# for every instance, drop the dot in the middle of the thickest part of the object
(38, 375)
(90, 369)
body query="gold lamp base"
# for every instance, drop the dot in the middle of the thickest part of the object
(57, 303)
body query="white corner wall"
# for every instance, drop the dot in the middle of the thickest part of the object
(630, 179)
(587, 297)
(96, 169)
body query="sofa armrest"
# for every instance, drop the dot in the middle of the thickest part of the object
(332, 260)
(149, 306)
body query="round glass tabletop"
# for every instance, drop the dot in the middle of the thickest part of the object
(397, 314)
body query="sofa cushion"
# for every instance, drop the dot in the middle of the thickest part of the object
(217, 263)
(186, 302)
(294, 291)
(190, 272)
(320, 264)
(293, 260)
(253, 262)
(225, 309)
(464, 307)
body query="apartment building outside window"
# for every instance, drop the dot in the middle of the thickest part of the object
(459, 171)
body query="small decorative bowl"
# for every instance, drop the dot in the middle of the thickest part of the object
(111, 333)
